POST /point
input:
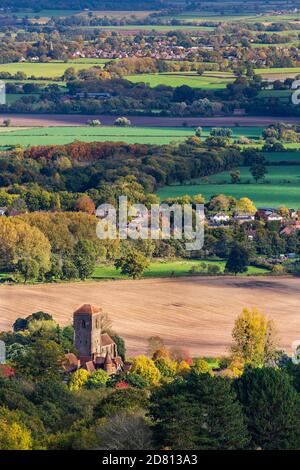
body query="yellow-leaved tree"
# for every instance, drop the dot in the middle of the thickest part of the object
(254, 340)
(146, 368)
(245, 206)
(14, 436)
(78, 379)
(23, 247)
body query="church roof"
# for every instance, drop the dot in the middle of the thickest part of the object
(71, 362)
(106, 340)
(90, 366)
(108, 359)
(87, 309)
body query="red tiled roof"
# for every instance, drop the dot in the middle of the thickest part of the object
(289, 229)
(106, 340)
(6, 371)
(90, 366)
(108, 359)
(87, 309)
(122, 384)
(71, 362)
(72, 359)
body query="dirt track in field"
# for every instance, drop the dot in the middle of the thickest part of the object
(46, 120)
(195, 312)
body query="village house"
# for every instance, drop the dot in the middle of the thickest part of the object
(86, 95)
(294, 214)
(289, 229)
(242, 218)
(3, 210)
(94, 349)
(274, 218)
(220, 218)
(264, 212)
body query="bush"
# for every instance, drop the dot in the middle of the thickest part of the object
(200, 366)
(98, 379)
(166, 367)
(78, 379)
(136, 380)
(122, 122)
(278, 270)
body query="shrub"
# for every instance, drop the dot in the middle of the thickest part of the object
(78, 379)
(98, 379)
(200, 366)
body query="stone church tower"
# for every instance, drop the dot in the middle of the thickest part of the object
(94, 349)
(87, 328)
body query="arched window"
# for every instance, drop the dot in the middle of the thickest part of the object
(83, 325)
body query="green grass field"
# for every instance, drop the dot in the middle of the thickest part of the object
(157, 269)
(13, 97)
(277, 157)
(167, 269)
(282, 187)
(292, 42)
(131, 135)
(153, 27)
(48, 70)
(209, 80)
(282, 94)
(284, 174)
(247, 18)
(64, 135)
(278, 73)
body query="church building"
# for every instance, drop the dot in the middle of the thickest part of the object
(94, 349)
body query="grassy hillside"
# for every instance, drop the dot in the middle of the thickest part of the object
(282, 187)
(209, 80)
(54, 69)
(142, 135)
(168, 269)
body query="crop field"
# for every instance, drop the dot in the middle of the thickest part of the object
(128, 14)
(206, 81)
(131, 135)
(197, 313)
(64, 120)
(53, 69)
(169, 269)
(282, 187)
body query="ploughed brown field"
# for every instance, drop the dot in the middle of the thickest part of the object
(46, 120)
(194, 312)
